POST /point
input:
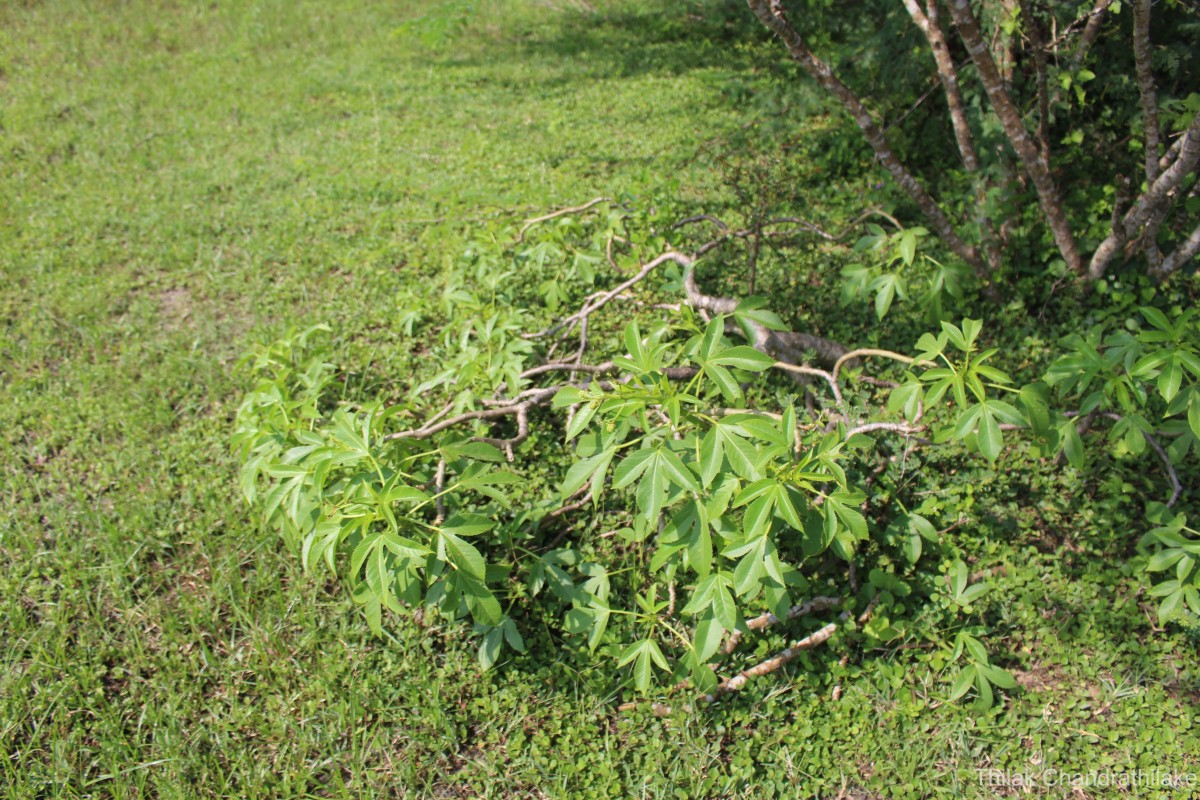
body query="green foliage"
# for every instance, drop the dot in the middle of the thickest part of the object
(894, 270)
(1146, 378)
(735, 507)
(171, 195)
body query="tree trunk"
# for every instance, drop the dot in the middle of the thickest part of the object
(1027, 153)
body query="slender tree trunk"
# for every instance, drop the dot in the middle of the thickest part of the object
(949, 77)
(823, 75)
(928, 21)
(1037, 45)
(1149, 98)
(1146, 87)
(1027, 153)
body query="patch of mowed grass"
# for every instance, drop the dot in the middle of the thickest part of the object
(179, 180)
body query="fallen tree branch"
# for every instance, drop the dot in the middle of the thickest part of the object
(771, 664)
(529, 223)
(822, 603)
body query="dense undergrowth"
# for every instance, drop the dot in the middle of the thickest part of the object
(180, 185)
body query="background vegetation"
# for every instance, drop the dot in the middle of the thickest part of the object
(180, 182)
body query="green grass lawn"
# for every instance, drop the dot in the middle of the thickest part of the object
(180, 180)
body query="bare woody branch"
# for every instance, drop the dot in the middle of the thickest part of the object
(766, 620)
(1146, 86)
(1091, 32)
(1172, 153)
(1152, 206)
(529, 223)
(771, 664)
(928, 24)
(1184, 253)
(1037, 44)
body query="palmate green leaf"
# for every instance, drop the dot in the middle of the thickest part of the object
(971, 594)
(1183, 570)
(600, 617)
(1158, 320)
(740, 452)
(1192, 597)
(752, 310)
(845, 506)
(743, 357)
(886, 287)
(644, 655)
(1163, 560)
(955, 335)
(691, 522)
(929, 347)
(568, 396)
(787, 426)
(1035, 401)
(974, 647)
(907, 246)
(958, 577)
(467, 524)
(631, 467)
(1071, 443)
(997, 676)
(989, 438)
(1170, 605)
(962, 684)
(675, 470)
(702, 596)
(578, 620)
(712, 454)
(708, 636)
(588, 469)
(906, 398)
(373, 610)
(1194, 413)
(748, 575)
(787, 505)
(403, 493)
(478, 451)
(489, 648)
(580, 421)
(986, 698)
(725, 382)
(710, 345)
(477, 476)
(757, 520)
(462, 555)
(724, 608)
(652, 490)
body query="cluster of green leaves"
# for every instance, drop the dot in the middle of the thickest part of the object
(734, 494)
(959, 372)
(893, 269)
(338, 487)
(1147, 377)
